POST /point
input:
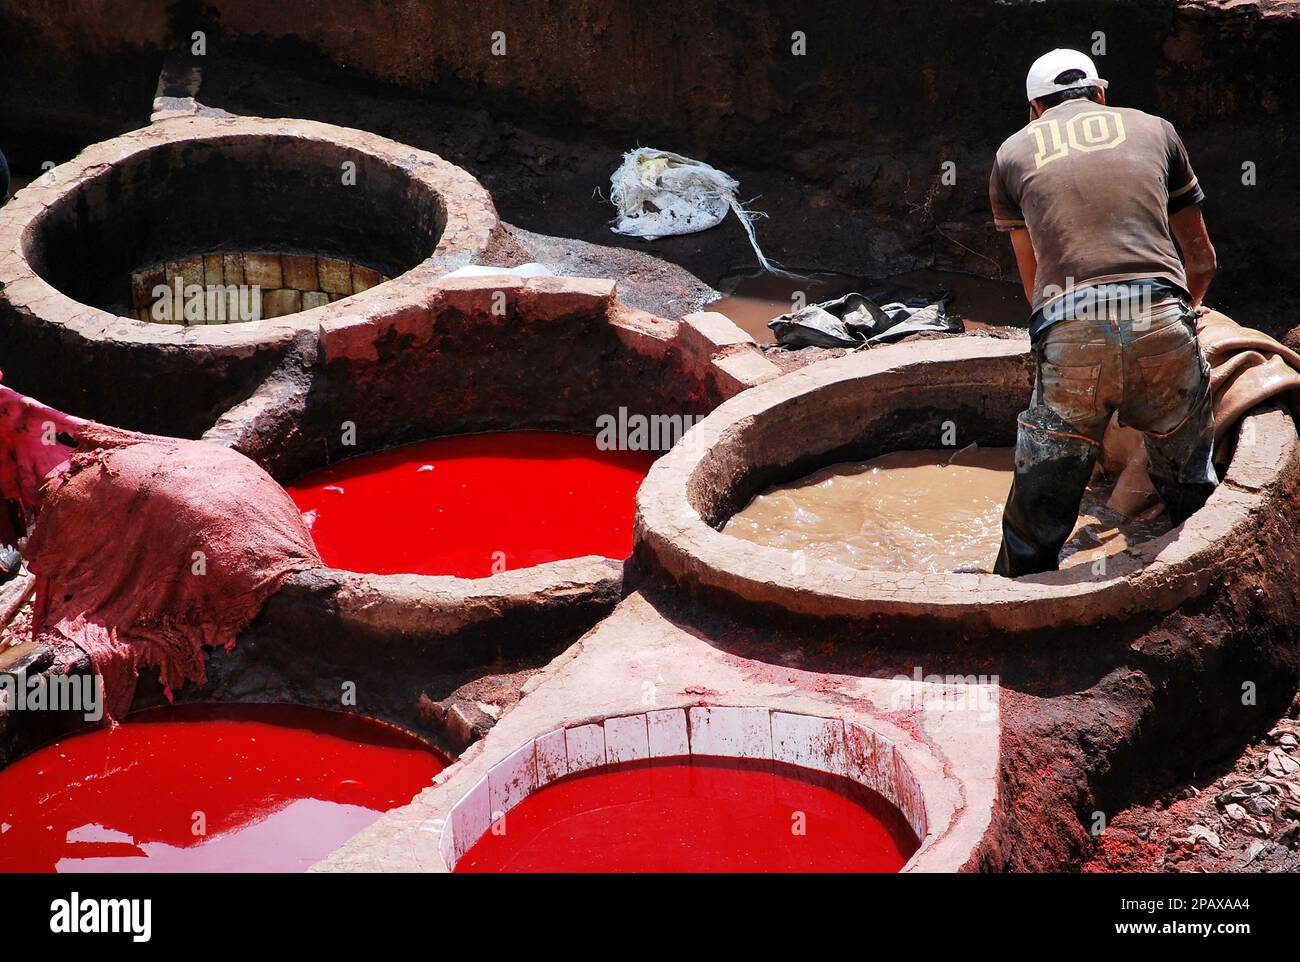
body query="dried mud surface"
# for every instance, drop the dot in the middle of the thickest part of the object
(1241, 815)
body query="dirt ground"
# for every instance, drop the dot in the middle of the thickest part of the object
(1242, 816)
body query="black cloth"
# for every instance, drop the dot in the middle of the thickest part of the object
(855, 320)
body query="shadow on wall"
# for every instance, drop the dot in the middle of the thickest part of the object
(73, 75)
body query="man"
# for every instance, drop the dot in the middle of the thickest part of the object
(1093, 197)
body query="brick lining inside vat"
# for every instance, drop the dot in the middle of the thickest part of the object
(830, 745)
(265, 284)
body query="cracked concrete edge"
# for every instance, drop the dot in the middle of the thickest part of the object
(442, 604)
(700, 342)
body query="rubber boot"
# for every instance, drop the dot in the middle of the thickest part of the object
(1181, 465)
(1182, 499)
(1052, 471)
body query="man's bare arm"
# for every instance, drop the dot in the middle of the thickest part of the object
(1198, 253)
(1025, 260)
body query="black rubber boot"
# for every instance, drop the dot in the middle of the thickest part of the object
(1182, 499)
(1043, 506)
(1181, 465)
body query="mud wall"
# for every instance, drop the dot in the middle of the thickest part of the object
(884, 95)
(76, 72)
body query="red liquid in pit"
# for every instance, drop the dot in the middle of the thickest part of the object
(697, 815)
(460, 505)
(279, 788)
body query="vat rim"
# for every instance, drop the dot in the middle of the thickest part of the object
(897, 773)
(468, 213)
(1153, 577)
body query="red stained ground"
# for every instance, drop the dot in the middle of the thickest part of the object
(447, 506)
(697, 815)
(280, 788)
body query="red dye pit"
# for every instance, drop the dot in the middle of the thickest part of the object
(473, 505)
(697, 815)
(206, 788)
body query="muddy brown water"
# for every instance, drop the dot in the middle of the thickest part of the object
(753, 300)
(932, 511)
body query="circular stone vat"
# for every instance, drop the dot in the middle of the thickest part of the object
(473, 505)
(650, 792)
(311, 216)
(296, 209)
(564, 356)
(913, 397)
(278, 788)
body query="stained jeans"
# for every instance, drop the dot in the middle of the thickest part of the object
(1144, 363)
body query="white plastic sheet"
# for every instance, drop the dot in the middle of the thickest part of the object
(659, 193)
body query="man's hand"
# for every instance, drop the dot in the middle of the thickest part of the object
(1193, 239)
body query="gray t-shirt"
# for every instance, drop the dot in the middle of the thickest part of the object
(1095, 186)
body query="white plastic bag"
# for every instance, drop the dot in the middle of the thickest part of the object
(659, 193)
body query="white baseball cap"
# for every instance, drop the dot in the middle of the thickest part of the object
(1041, 81)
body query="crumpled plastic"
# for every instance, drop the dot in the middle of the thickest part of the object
(659, 194)
(854, 320)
